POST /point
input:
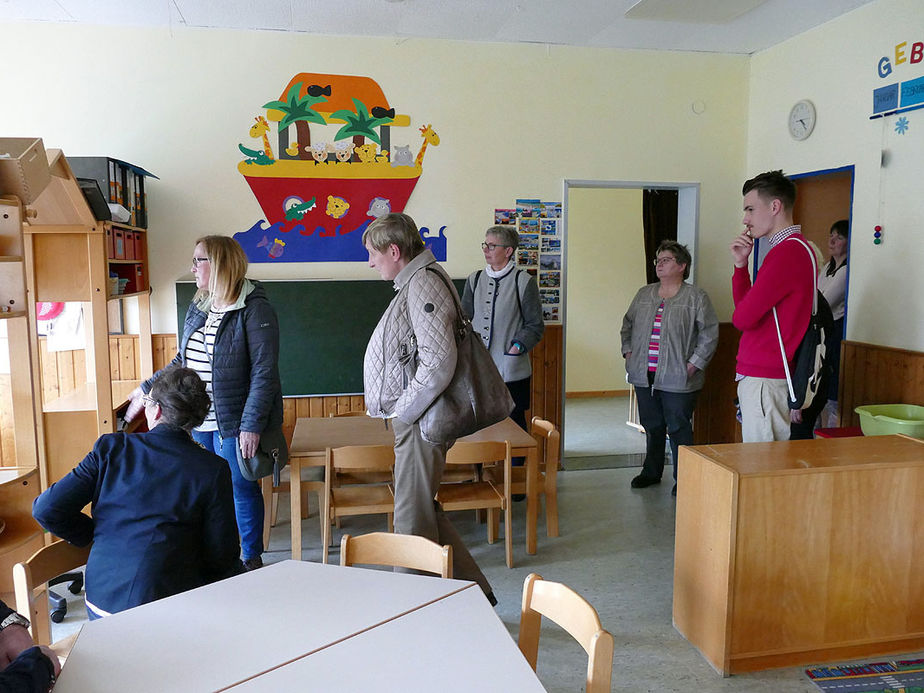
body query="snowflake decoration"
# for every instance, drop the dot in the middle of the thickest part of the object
(901, 125)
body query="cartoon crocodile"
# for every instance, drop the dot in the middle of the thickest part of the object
(256, 156)
(298, 211)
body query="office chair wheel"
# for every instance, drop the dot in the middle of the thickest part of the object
(57, 615)
(76, 584)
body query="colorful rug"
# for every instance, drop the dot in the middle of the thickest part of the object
(900, 676)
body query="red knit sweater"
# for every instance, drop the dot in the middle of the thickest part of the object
(785, 280)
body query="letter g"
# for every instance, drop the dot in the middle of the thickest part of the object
(885, 67)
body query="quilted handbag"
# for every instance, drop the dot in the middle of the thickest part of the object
(476, 397)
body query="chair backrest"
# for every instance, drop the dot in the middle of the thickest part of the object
(573, 613)
(31, 576)
(549, 438)
(401, 550)
(465, 452)
(368, 457)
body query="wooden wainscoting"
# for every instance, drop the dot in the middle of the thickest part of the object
(873, 374)
(547, 376)
(62, 372)
(714, 417)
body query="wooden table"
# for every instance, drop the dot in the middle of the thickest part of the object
(246, 632)
(314, 435)
(800, 552)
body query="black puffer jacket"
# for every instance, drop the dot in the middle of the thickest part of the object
(245, 371)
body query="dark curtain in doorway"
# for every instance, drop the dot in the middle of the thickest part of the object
(659, 220)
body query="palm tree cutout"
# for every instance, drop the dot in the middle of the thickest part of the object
(359, 125)
(298, 110)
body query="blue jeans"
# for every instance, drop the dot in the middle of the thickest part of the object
(248, 499)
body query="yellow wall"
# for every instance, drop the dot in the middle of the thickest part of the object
(835, 66)
(606, 261)
(514, 120)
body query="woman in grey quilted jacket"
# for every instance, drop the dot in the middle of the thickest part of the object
(409, 361)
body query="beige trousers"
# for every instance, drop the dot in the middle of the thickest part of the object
(764, 406)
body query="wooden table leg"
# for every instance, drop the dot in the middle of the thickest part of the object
(532, 499)
(295, 505)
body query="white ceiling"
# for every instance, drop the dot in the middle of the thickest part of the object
(689, 25)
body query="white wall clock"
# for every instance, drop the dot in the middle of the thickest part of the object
(802, 119)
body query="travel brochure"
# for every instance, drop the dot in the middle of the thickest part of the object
(539, 253)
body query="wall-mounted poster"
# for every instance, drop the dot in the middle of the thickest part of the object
(540, 247)
(322, 163)
(505, 216)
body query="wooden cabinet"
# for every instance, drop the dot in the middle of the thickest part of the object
(20, 536)
(68, 257)
(800, 552)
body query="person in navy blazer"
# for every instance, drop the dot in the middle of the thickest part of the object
(162, 517)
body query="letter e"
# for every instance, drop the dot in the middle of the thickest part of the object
(900, 52)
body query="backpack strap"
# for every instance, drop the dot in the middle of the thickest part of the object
(814, 273)
(779, 334)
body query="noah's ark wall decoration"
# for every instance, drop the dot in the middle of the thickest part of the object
(331, 169)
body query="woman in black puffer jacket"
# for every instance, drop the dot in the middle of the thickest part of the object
(231, 339)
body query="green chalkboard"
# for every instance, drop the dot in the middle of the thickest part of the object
(323, 329)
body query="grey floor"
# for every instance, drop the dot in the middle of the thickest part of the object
(616, 549)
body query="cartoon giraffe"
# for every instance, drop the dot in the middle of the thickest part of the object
(430, 137)
(259, 129)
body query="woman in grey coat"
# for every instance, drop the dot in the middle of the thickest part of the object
(669, 334)
(503, 304)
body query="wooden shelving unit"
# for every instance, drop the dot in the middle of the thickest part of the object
(67, 259)
(19, 433)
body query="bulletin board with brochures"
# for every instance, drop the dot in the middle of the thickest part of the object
(540, 251)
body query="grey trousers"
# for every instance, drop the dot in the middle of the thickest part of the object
(418, 470)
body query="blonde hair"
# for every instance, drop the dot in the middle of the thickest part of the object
(227, 268)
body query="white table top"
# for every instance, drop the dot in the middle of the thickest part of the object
(455, 644)
(218, 635)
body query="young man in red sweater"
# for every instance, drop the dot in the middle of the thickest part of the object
(785, 282)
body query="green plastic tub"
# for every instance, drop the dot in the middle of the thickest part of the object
(886, 419)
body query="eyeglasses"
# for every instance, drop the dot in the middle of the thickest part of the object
(662, 260)
(147, 400)
(199, 260)
(492, 246)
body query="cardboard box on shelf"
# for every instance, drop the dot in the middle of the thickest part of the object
(24, 168)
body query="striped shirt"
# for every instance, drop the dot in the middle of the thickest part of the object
(654, 344)
(199, 350)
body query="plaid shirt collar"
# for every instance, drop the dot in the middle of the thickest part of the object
(781, 236)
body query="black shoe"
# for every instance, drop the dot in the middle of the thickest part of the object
(642, 481)
(492, 600)
(674, 491)
(253, 563)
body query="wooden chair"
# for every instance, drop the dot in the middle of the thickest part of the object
(356, 499)
(549, 450)
(573, 613)
(402, 550)
(30, 579)
(476, 495)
